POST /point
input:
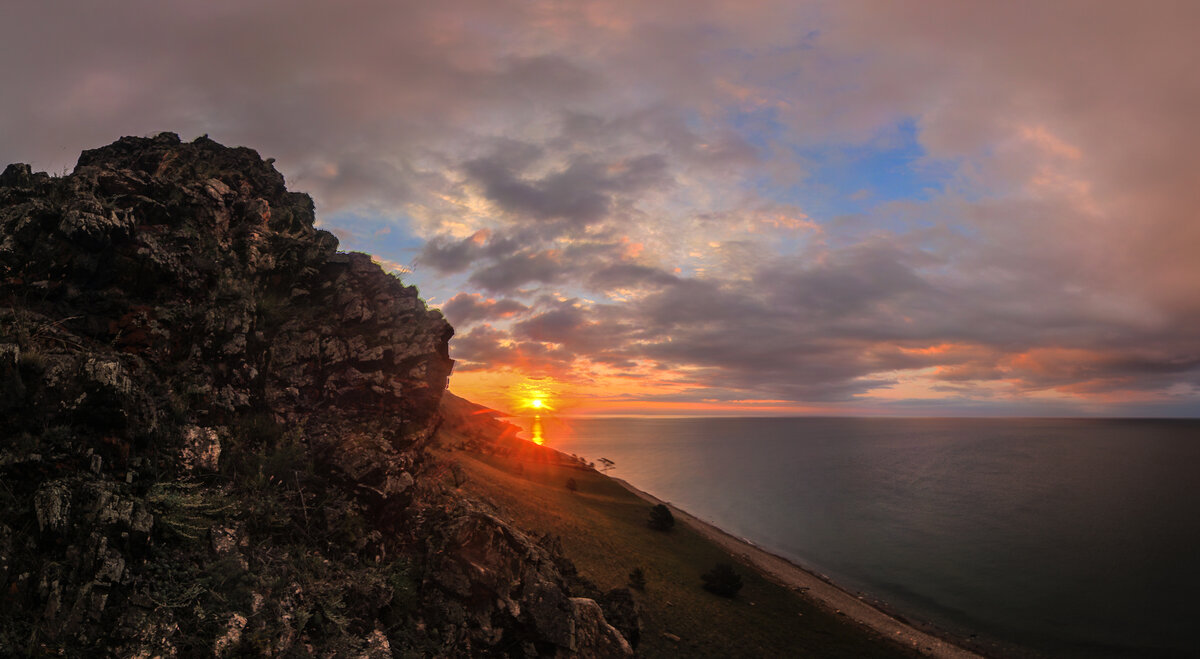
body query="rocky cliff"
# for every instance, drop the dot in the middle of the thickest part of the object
(213, 430)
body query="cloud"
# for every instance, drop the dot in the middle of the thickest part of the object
(623, 275)
(447, 255)
(510, 273)
(583, 192)
(645, 190)
(468, 308)
(484, 348)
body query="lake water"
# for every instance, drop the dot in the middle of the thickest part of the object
(1064, 537)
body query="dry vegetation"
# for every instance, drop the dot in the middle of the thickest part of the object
(603, 529)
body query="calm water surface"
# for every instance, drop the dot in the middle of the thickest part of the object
(1060, 536)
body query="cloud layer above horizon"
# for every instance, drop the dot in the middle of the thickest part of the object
(688, 207)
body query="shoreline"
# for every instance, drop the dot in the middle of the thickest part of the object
(816, 588)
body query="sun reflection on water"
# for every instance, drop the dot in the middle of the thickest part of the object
(535, 431)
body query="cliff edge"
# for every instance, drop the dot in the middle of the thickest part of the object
(214, 433)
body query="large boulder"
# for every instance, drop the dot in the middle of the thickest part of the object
(500, 588)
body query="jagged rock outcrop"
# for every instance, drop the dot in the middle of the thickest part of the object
(195, 260)
(214, 429)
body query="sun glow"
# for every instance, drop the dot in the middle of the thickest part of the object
(533, 396)
(537, 403)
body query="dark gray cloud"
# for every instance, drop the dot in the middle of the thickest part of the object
(584, 192)
(624, 275)
(469, 308)
(565, 324)
(447, 255)
(510, 273)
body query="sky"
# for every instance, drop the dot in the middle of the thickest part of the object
(693, 207)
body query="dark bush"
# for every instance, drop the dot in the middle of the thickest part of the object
(722, 580)
(661, 518)
(572, 485)
(637, 579)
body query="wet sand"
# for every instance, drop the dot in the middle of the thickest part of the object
(815, 588)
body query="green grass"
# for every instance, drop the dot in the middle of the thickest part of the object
(603, 530)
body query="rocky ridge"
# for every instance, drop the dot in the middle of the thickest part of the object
(214, 433)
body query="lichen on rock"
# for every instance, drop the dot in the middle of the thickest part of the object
(52, 503)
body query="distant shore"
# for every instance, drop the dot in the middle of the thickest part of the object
(816, 588)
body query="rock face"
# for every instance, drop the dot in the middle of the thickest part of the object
(214, 427)
(194, 260)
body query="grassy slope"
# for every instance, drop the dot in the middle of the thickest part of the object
(603, 530)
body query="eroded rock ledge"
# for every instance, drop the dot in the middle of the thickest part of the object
(214, 429)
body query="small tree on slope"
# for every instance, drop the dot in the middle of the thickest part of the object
(661, 518)
(722, 580)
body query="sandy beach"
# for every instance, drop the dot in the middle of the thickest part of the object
(817, 589)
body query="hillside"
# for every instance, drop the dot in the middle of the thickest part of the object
(602, 526)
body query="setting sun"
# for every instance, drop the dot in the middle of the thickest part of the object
(537, 403)
(528, 395)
